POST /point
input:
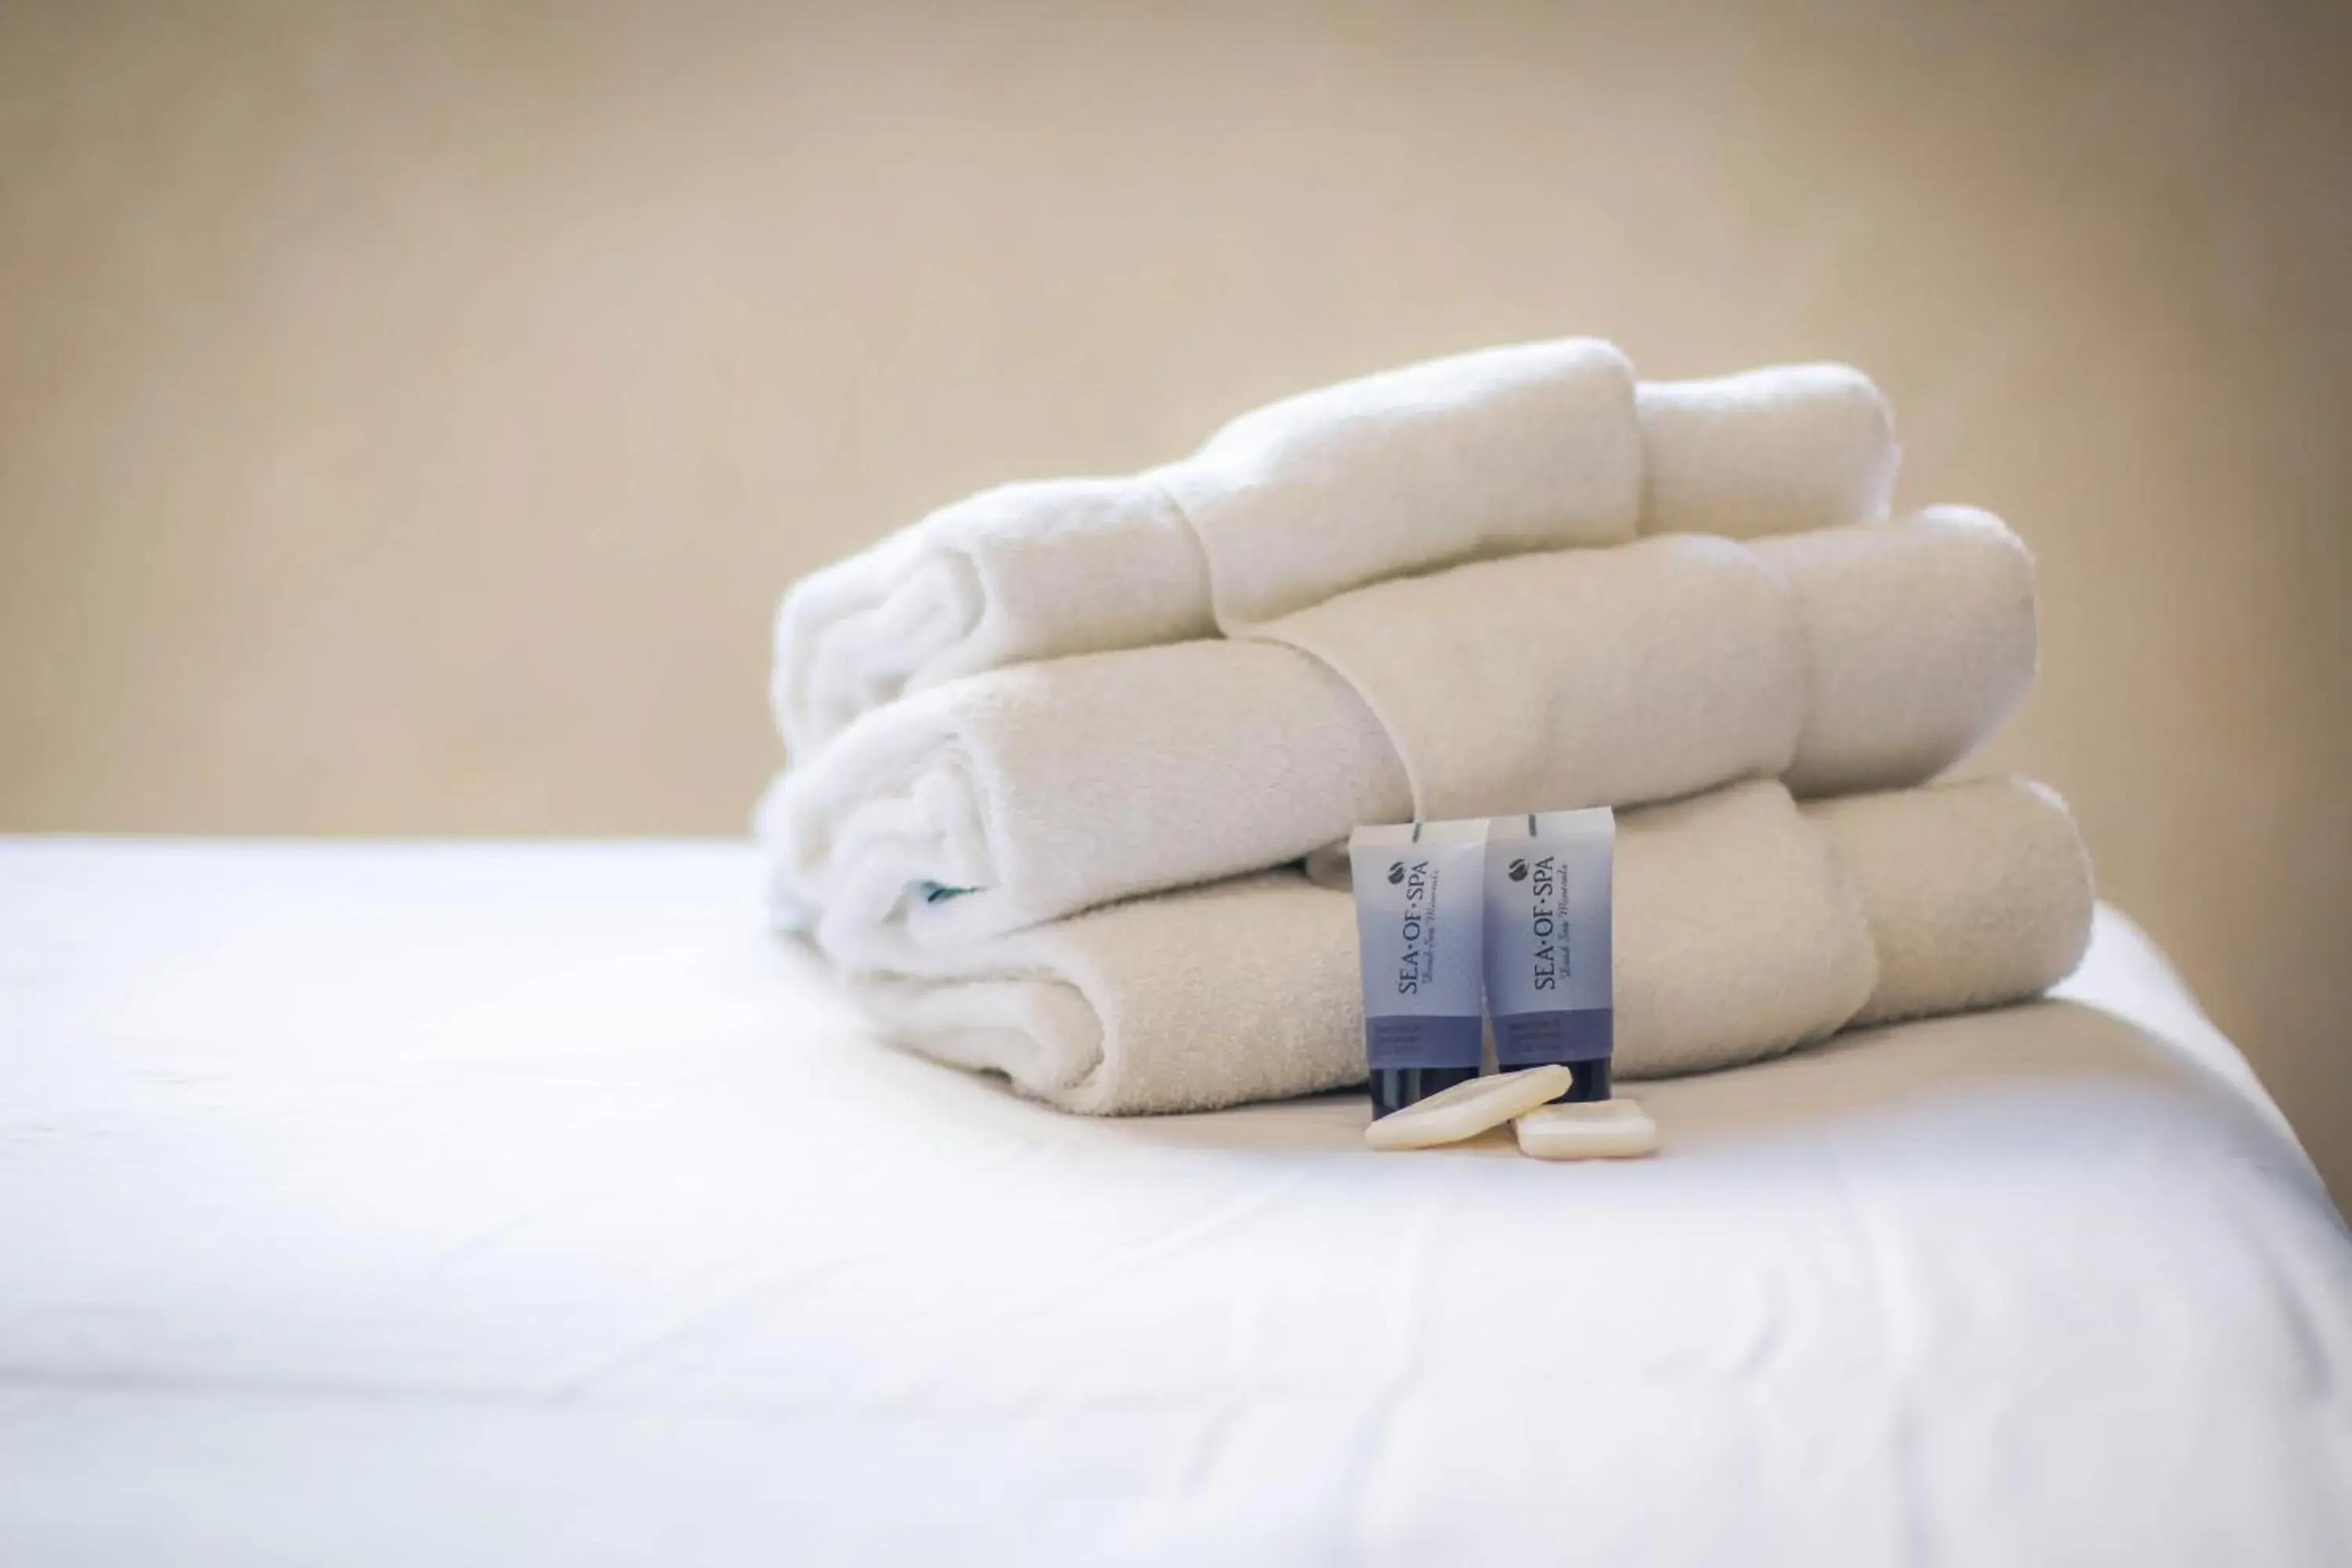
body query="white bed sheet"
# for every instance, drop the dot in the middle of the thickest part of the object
(526, 1204)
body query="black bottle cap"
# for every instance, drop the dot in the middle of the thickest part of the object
(1393, 1088)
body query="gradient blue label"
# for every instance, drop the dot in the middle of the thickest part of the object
(1548, 959)
(1420, 927)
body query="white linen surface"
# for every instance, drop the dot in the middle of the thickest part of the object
(514, 1204)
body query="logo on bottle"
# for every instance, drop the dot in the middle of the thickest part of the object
(1396, 873)
(1519, 871)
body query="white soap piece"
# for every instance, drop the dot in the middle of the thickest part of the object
(1596, 1130)
(1468, 1108)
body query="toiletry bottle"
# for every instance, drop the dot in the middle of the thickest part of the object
(1548, 958)
(1418, 929)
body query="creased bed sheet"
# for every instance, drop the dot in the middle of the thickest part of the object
(530, 1205)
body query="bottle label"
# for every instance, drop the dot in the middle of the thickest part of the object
(1547, 936)
(1419, 932)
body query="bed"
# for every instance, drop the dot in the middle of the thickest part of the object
(527, 1203)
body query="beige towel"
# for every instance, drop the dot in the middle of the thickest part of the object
(1744, 926)
(1873, 658)
(1535, 446)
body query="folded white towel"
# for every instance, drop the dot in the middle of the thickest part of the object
(1766, 451)
(1992, 905)
(1020, 573)
(1742, 928)
(1578, 677)
(1533, 447)
(1901, 636)
(1026, 794)
(1536, 446)
(1238, 991)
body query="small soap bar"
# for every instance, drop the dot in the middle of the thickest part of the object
(1597, 1130)
(1468, 1108)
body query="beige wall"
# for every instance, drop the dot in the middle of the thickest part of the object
(409, 413)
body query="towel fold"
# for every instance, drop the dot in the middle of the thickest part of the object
(1776, 450)
(1580, 678)
(1989, 902)
(1744, 926)
(1020, 573)
(1875, 658)
(1919, 650)
(1021, 795)
(1535, 446)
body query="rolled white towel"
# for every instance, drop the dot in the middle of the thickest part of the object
(1865, 657)
(1523, 447)
(1533, 447)
(1020, 573)
(1215, 995)
(1895, 633)
(1992, 905)
(1775, 450)
(1742, 928)
(1577, 678)
(1026, 794)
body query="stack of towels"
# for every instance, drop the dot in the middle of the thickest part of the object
(1061, 754)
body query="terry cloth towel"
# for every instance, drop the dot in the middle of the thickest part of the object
(1743, 927)
(1538, 446)
(1777, 450)
(1499, 452)
(1579, 678)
